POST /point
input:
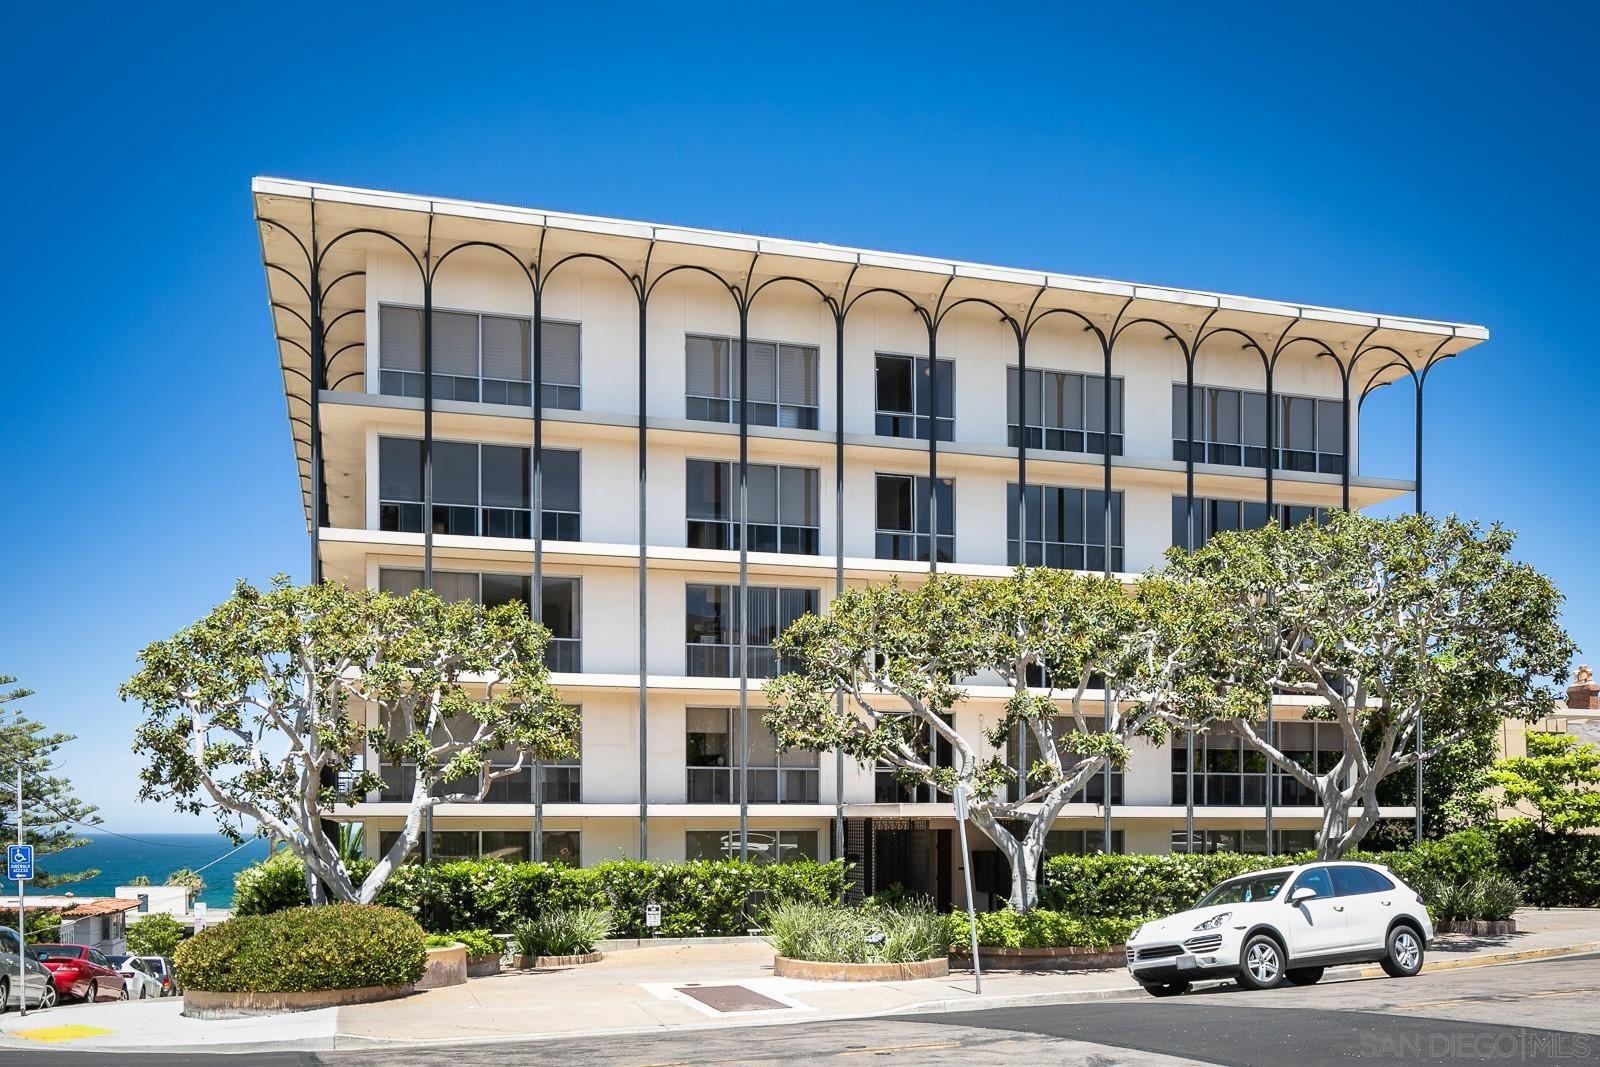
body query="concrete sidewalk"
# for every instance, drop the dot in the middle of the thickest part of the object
(650, 990)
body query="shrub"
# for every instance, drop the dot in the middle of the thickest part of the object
(829, 933)
(700, 898)
(1041, 929)
(564, 932)
(335, 946)
(476, 942)
(1134, 887)
(1464, 856)
(43, 926)
(157, 934)
(1555, 870)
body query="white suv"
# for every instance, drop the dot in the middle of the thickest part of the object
(1288, 923)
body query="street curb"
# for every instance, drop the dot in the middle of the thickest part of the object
(1492, 959)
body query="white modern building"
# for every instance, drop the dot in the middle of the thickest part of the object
(905, 414)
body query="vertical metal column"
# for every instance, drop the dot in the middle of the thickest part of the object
(1420, 379)
(1344, 478)
(536, 591)
(644, 730)
(317, 485)
(933, 443)
(744, 579)
(1022, 449)
(1191, 542)
(838, 550)
(1110, 693)
(1272, 518)
(1188, 802)
(427, 463)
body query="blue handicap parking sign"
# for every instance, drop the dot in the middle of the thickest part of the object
(19, 862)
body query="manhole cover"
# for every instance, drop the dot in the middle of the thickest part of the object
(731, 998)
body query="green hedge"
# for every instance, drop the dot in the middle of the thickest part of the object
(699, 898)
(478, 943)
(337, 946)
(1040, 929)
(1136, 887)
(1554, 870)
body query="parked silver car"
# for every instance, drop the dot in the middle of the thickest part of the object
(38, 990)
(136, 977)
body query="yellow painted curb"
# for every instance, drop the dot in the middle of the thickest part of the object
(52, 1034)
(1490, 961)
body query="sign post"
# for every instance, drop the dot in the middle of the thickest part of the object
(966, 868)
(652, 918)
(19, 868)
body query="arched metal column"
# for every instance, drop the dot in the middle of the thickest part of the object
(427, 463)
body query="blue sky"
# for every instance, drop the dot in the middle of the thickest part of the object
(1437, 161)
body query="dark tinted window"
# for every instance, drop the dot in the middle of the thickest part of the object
(1351, 881)
(1316, 878)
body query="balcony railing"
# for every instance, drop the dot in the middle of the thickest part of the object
(710, 660)
(564, 654)
(768, 785)
(563, 784)
(764, 537)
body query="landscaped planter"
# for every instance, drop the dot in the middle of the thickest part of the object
(1064, 958)
(482, 966)
(544, 963)
(1480, 927)
(784, 967)
(203, 1004)
(446, 966)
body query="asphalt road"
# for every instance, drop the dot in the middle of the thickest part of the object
(1536, 1012)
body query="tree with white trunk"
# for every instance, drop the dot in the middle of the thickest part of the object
(884, 672)
(1388, 627)
(257, 713)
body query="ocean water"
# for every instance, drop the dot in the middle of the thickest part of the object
(121, 859)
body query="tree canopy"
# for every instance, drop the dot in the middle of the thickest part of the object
(884, 676)
(1559, 777)
(1378, 625)
(263, 711)
(52, 815)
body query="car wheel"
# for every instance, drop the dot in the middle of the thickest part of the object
(5, 995)
(143, 992)
(1404, 956)
(1303, 975)
(48, 998)
(1260, 963)
(122, 994)
(93, 994)
(1168, 989)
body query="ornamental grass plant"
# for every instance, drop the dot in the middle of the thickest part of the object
(826, 933)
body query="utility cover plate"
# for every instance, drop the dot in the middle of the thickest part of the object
(731, 998)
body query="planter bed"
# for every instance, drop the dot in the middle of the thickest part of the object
(545, 963)
(204, 1004)
(622, 944)
(1046, 959)
(812, 970)
(482, 966)
(446, 966)
(1480, 927)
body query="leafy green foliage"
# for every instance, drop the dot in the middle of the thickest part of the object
(1560, 777)
(251, 711)
(338, 946)
(1491, 898)
(1376, 620)
(43, 926)
(156, 934)
(1040, 928)
(562, 932)
(705, 897)
(52, 815)
(1555, 870)
(476, 942)
(897, 657)
(188, 878)
(1135, 887)
(831, 933)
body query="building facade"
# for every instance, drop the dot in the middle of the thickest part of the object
(903, 415)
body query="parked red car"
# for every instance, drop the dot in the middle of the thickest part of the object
(80, 972)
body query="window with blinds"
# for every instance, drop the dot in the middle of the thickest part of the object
(1066, 411)
(783, 507)
(478, 490)
(1230, 428)
(479, 358)
(783, 381)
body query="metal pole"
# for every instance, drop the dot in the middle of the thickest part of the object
(1110, 690)
(1191, 542)
(1418, 457)
(933, 444)
(536, 593)
(427, 467)
(838, 554)
(1272, 442)
(317, 479)
(22, 913)
(1188, 810)
(644, 729)
(966, 871)
(744, 581)
(1271, 778)
(1022, 449)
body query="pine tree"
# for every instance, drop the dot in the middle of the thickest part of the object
(52, 815)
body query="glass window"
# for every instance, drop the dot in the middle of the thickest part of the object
(712, 750)
(400, 351)
(478, 357)
(712, 627)
(782, 377)
(561, 477)
(903, 520)
(764, 846)
(1066, 411)
(1219, 516)
(561, 359)
(783, 507)
(1246, 890)
(512, 846)
(1230, 428)
(906, 393)
(1066, 528)
(562, 846)
(1317, 879)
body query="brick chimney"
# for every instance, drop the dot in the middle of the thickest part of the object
(1583, 694)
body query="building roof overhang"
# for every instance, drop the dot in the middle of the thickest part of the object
(335, 226)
